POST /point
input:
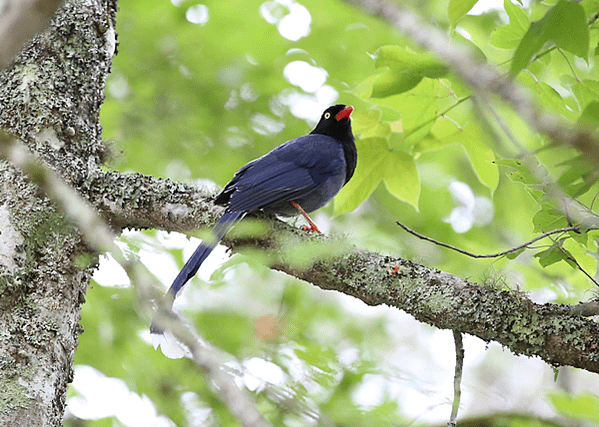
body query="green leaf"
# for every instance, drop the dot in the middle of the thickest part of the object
(591, 7)
(509, 36)
(458, 8)
(480, 154)
(584, 406)
(548, 218)
(555, 254)
(514, 255)
(368, 123)
(579, 252)
(419, 109)
(402, 60)
(590, 116)
(547, 96)
(392, 83)
(586, 92)
(521, 174)
(376, 162)
(579, 177)
(401, 177)
(518, 18)
(406, 70)
(564, 24)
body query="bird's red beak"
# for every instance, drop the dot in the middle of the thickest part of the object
(344, 113)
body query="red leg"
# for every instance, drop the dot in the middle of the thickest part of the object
(313, 226)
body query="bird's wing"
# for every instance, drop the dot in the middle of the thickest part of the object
(290, 171)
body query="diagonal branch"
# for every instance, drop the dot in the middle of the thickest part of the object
(445, 301)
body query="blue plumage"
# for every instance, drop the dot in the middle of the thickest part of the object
(308, 171)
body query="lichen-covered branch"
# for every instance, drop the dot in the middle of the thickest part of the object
(50, 99)
(558, 334)
(140, 201)
(549, 331)
(100, 237)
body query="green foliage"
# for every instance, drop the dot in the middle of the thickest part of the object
(405, 70)
(564, 24)
(458, 8)
(197, 101)
(378, 162)
(582, 407)
(509, 36)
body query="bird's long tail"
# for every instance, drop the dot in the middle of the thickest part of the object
(201, 253)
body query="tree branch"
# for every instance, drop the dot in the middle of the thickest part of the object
(445, 301)
(549, 331)
(457, 378)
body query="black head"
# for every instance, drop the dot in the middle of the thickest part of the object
(335, 122)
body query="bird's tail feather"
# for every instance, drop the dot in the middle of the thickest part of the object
(201, 253)
(193, 264)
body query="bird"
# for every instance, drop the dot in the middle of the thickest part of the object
(299, 176)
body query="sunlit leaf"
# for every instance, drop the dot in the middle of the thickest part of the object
(514, 255)
(547, 96)
(376, 162)
(406, 70)
(555, 254)
(458, 8)
(590, 116)
(579, 252)
(509, 36)
(548, 218)
(584, 406)
(419, 109)
(564, 24)
(480, 154)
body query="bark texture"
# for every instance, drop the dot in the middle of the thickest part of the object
(50, 99)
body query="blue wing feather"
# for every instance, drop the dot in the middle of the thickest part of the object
(292, 171)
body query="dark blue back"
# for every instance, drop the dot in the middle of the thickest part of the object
(309, 170)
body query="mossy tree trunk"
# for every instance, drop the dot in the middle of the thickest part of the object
(50, 99)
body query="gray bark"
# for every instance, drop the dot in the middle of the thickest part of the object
(50, 98)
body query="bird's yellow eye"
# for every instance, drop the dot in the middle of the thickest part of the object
(327, 115)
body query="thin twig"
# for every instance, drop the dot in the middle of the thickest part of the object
(497, 254)
(457, 378)
(571, 258)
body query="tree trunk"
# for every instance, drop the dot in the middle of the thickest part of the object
(50, 99)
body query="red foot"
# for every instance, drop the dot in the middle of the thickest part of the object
(312, 226)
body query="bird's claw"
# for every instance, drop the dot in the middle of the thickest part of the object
(312, 227)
